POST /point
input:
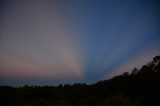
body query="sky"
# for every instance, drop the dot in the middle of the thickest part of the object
(48, 42)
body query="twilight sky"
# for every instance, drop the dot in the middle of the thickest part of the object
(47, 42)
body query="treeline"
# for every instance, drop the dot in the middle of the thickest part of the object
(141, 87)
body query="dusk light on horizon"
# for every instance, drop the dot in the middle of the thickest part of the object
(50, 42)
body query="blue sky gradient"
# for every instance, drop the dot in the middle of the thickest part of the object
(70, 41)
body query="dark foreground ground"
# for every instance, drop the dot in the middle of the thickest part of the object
(140, 88)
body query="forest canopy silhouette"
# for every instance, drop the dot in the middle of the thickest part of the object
(141, 87)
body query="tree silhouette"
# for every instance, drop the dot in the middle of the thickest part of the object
(139, 88)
